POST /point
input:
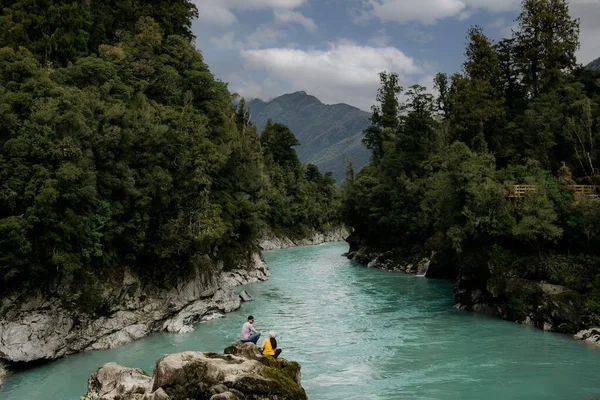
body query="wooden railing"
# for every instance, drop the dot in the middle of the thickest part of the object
(520, 191)
(584, 190)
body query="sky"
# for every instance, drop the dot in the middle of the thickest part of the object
(335, 49)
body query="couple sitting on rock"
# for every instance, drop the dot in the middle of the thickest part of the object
(269, 345)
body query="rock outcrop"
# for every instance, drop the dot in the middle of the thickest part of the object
(36, 328)
(3, 374)
(386, 262)
(589, 335)
(550, 307)
(271, 241)
(241, 374)
(245, 296)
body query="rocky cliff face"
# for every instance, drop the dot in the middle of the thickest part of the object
(550, 307)
(242, 373)
(36, 328)
(271, 241)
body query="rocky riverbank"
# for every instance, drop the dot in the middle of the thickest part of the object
(553, 308)
(41, 327)
(272, 241)
(3, 374)
(241, 373)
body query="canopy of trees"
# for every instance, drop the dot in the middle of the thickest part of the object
(118, 147)
(521, 112)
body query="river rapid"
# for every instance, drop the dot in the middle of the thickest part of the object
(361, 333)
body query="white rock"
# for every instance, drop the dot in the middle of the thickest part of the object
(245, 296)
(273, 242)
(114, 382)
(3, 374)
(34, 328)
(589, 335)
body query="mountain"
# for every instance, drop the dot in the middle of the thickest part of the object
(595, 65)
(328, 134)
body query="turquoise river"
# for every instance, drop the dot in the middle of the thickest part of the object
(361, 333)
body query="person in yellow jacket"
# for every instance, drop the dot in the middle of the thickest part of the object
(269, 346)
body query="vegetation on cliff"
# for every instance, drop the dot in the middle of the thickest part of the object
(119, 147)
(444, 168)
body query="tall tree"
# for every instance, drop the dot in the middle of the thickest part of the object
(547, 38)
(384, 120)
(278, 142)
(510, 79)
(476, 99)
(441, 85)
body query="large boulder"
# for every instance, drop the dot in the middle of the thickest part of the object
(245, 350)
(114, 382)
(198, 375)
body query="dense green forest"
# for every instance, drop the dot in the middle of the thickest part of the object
(443, 168)
(119, 147)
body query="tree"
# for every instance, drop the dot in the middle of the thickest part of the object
(384, 119)
(312, 173)
(476, 100)
(547, 39)
(583, 135)
(278, 141)
(415, 139)
(514, 93)
(60, 31)
(440, 84)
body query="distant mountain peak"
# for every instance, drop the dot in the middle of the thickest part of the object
(328, 134)
(594, 65)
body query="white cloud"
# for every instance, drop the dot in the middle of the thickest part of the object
(589, 13)
(215, 14)
(227, 41)
(425, 11)
(430, 11)
(381, 39)
(220, 12)
(346, 72)
(295, 17)
(264, 36)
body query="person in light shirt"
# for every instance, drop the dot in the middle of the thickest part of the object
(249, 334)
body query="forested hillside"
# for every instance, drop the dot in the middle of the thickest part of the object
(443, 171)
(594, 65)
(118, 147)
(328, 134)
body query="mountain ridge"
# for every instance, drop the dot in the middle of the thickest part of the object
(328, 133)
(594, 65)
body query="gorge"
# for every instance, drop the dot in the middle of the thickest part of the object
(360, 333)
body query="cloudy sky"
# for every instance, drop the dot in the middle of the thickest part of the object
(334, 49)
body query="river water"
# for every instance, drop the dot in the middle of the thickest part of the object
(362, 334)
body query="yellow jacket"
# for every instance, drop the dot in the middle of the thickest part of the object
(267, 348)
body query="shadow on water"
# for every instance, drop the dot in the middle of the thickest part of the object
(362, 334)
